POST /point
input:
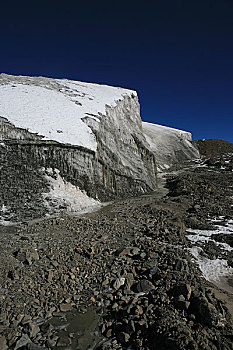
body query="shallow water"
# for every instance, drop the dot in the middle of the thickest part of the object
(81, 326)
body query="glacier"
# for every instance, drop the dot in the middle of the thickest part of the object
(92, 134)
(169, 145)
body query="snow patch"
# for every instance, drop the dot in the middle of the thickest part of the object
(6, 222)
(212, 270)
(220, 229)
(4, 209)
(65, 197)
(202, 238)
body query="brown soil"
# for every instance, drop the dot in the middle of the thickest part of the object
(213, 148)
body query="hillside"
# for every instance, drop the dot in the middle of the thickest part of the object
(213, 148)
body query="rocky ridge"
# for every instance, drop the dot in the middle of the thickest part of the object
(213, 148)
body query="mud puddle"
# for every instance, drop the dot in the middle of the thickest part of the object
(76, 330)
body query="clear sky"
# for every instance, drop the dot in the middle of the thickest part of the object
(177, 54)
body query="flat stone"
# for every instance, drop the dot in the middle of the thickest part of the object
(64, 341)
(32, 346)
(23, 341)
(65, 307)
(144, 286)
(34, 330)
(131, 251)
(3, 345)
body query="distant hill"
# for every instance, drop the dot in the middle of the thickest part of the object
(213, 148)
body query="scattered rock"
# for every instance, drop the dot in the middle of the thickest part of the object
(148, 292)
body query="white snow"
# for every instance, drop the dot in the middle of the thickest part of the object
(64, 196)
(227, 229)
(162, 133)
(212, 270)
(165, 142)
(54, 108)
(5, 222)
(205, 238)
(4, 209)
(5, 216)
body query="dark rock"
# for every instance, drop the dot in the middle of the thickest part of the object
(206, 312)
(181, 303)
(183, 289)
(13, 275)
(124, 337)
(179, 266)
(144, 286)
(64, 341)
(26, 319)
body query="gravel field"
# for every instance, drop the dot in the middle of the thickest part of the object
(121, 277)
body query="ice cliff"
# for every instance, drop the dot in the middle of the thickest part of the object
(91, 135)
(169, 145)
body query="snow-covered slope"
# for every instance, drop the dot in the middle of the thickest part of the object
(54, 108)
(169, 145)
(91, 133)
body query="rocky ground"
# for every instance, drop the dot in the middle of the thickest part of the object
(213, 148)
(122, 277)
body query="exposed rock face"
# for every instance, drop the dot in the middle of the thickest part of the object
(169, 145)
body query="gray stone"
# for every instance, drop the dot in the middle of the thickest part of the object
(23, 341)
(65, 307)
(119, 282)
(33, 346)
(34, 330)
(3, 345)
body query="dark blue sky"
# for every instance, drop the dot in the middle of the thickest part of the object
(177, 54)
